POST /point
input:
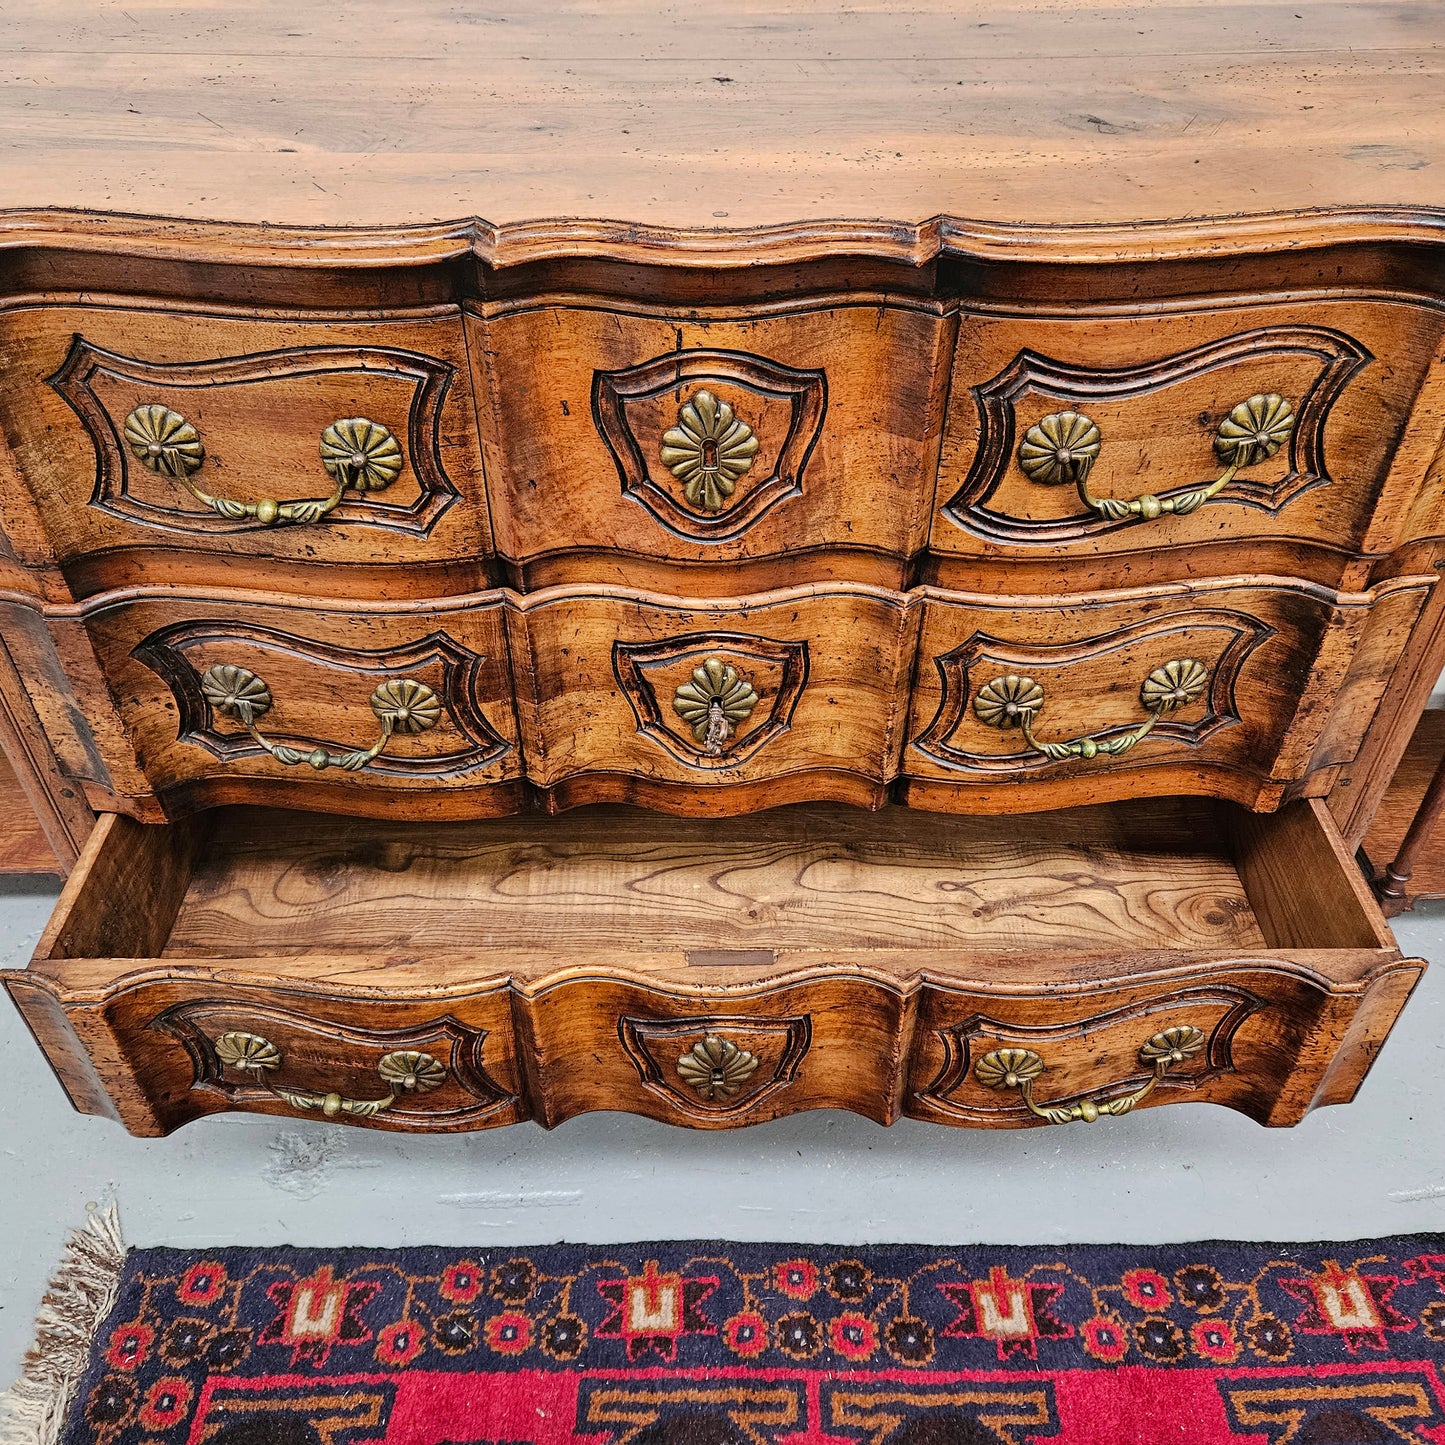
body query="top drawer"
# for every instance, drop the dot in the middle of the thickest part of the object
(1220, 438)
(863, 438)
(155, 444)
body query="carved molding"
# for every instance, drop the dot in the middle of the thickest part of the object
(430, 378)
(776, 671)
(655, 1046)
(166, 653)
(911, 243)
(1074, 387)
(973, 1037)
(988, 656)
(468, 1094)
(732, 376)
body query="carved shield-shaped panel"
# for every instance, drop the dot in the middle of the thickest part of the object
(718, 1065)
(1135, 405)
(1095, 1057)
(708, 441)
(321, 694)
(1073, 701)
(671, 703)
(317, 1055)
(260, 418)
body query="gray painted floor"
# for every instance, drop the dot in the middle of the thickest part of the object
(1194, 1172)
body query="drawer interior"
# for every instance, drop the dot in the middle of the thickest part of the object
(615, 886)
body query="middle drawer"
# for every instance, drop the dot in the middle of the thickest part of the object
(1238, 689)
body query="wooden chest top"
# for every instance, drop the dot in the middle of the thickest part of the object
(761, 113)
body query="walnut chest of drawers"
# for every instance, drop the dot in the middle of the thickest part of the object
(931, 668)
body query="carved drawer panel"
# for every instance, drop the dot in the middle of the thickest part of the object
(1235, 1031)
(643, 446)
(1225, 688)
(428, 1074)
(1036, 1063)
(196, 701)
(261, 1041)
(156, 444)
(713, 1062)
(1214, 439)
(756, 701)
(712, 973)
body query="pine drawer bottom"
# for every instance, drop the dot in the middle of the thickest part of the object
(984, 971)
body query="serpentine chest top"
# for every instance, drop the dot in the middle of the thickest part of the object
(912, 610)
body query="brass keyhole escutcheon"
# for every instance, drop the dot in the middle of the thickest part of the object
(715, 1068)
(708, 451)
(712, 702)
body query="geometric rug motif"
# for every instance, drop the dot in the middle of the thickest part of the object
(750, 1344)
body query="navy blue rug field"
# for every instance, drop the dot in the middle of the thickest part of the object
(747, 1344)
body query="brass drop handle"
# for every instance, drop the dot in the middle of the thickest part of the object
(716, 1068)
(1063, 447)
(1014, 701)
(1018, 1068)
(403, 1072)
(401, 706)
(358, 454)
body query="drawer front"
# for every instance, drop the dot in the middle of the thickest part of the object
(1265, 1041)
(161, 445)
(175, 1049)
(797, 697)
(1222, 689)
(997, 1063)
(1097, 438)
(651, 441)
(964, 702)
(329, 707)
(718, 1061)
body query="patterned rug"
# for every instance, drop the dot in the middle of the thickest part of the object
(744, 1344)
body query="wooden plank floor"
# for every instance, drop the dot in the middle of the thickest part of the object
(1402, 799)
(23, 848)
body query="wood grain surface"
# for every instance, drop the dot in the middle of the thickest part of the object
(813, 878)
(45, 791)
(854, 500)
(260, 395)
(748, 114)
(23, 845)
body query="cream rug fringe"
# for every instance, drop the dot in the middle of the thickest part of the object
(82, 1292)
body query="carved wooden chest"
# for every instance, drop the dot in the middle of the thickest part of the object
(747, 656)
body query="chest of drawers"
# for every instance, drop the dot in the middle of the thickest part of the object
(937, 668)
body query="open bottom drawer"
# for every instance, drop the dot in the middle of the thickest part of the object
(982, 971)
